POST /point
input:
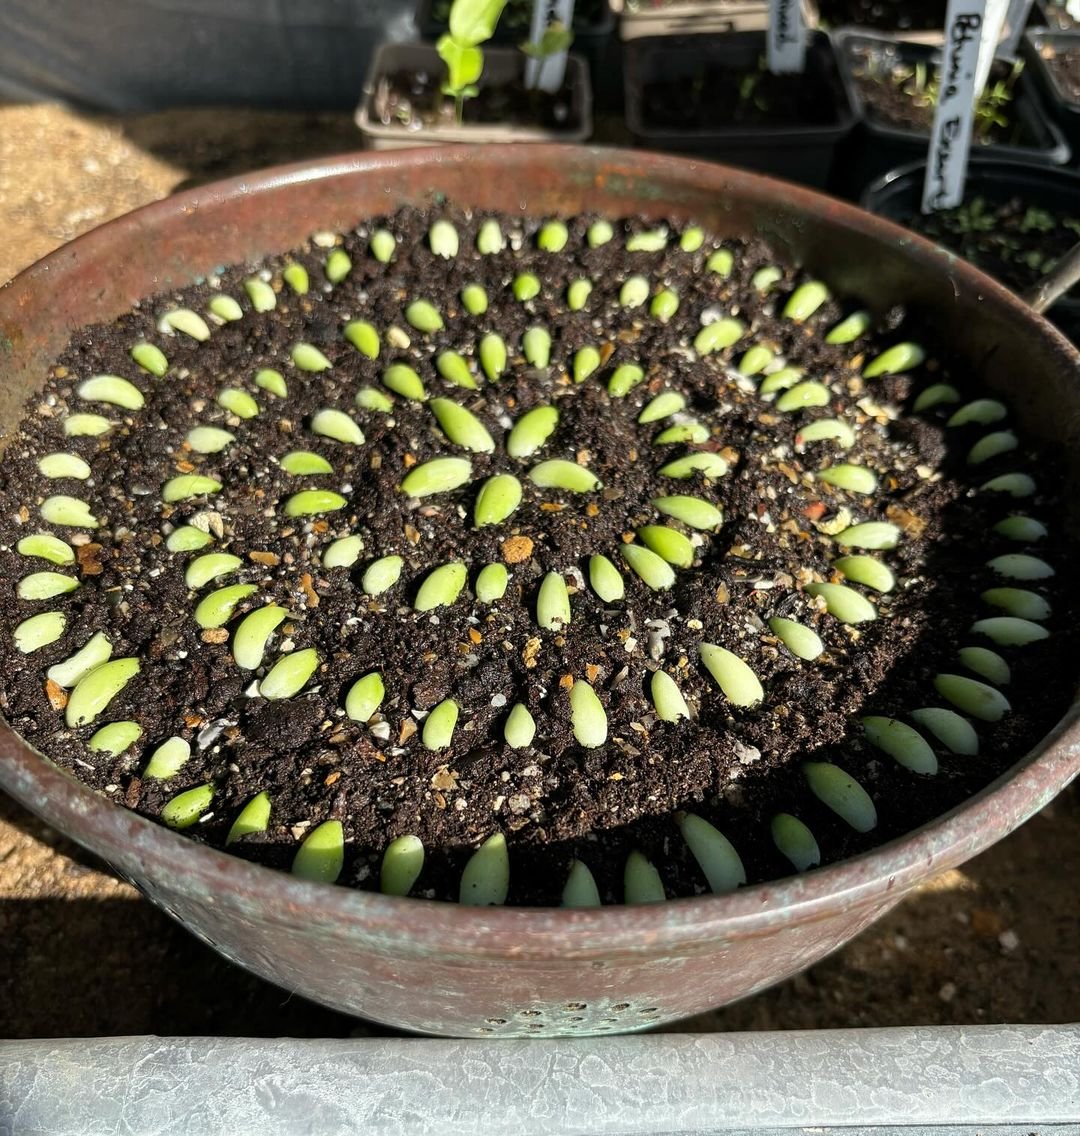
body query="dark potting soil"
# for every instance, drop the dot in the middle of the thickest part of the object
(883, 15)
(897, 93)
(718, 98)
(1016, 242)
(1064, 64)
(556, 799)
(414, 100)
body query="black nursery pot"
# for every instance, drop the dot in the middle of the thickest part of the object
(676, 89)
(875, 147)
(1062, 104)
(594, 40)
(1046, 14)
(897, 196)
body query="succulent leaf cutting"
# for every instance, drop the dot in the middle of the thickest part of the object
(562, 560)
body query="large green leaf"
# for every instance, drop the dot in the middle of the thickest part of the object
(473, 21)
(464, 63)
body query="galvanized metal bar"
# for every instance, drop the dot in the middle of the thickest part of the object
(945, 1080)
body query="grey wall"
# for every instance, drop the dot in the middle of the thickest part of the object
(150, 54)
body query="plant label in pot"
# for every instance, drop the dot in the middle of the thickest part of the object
(972, 28)
(786, 37)
(894, 86)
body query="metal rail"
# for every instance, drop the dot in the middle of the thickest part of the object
(942, 1081)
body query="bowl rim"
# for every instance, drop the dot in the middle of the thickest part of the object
(223, 880)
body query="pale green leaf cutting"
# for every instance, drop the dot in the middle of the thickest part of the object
(365, 697)
(253, 634)
(322, 855)
(60, 465)
(209, 567)
(238, 402)
(499, 496)
(114, 738)
(45, 546)
(844, 603)
(96, 690)
(580, 889)
(795, 841)
(653, 570)
(95, 651)
(186, 808)
(216, 609)
(439, 726)
(343, 552)
(733, 675)
(440, 475)
(561, 474)
(402, 863)
(310, 502)
(553, 603)
(906, 745)
(187, 321)
(693, 511)
(337, 425)
(491, 583)
(801, 641)
(668, 700)
(485, 882)
(956, 734)
(461, 426)
(531, 431)
(715, 854)
(187, 485)
(605, 579)
(39, 631)
(641, 881)
(113, 390)
(973, 697)
(587, 716)
(520, 727)
(45, 585)
(168, 759)
(381, 575)
(253, 817)
(841, 793)
(290, 674)
(441, 587)
(209, 439)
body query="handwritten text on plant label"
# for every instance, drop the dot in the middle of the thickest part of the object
(786, 36)
(954, 115)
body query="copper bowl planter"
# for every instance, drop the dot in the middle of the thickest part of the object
(438, 967)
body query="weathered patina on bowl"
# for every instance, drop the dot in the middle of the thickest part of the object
(438, 967)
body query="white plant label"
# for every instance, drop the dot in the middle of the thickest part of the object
(547, 74)
(972, 28)
(1016, 19)
(785, 37)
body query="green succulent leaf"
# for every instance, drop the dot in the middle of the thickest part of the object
(464, 63)
(473, 21)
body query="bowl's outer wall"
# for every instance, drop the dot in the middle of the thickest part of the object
(442, 968)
